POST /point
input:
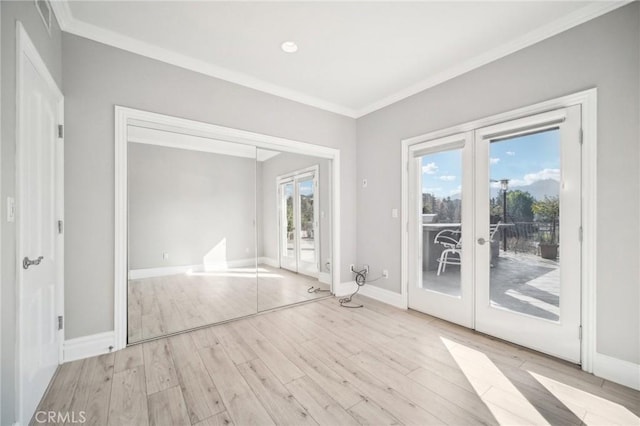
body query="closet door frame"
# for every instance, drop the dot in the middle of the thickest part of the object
(124, 117)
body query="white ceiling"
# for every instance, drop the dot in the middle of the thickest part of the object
(353, 58)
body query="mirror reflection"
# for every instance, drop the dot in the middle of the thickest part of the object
(220, 230)
(294, 228)
(192, 256)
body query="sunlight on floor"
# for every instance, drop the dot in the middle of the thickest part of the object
(579, 401)
(533, 301)
(493, 387)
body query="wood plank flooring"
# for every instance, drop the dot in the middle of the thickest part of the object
(165, 305)
(320, 364)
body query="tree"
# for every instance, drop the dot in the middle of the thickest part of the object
(519, 205)
(548, 210)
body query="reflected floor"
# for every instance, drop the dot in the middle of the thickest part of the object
(159, 306)
(520, 282)
(280, 287)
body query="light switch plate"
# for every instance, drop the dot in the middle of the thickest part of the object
(11, 209)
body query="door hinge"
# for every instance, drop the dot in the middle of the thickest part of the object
(60, 131)
(60, 322)
(580, 234)
(60, 227)
(580, 332)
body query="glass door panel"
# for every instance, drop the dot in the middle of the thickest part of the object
(307, 259)
(441, 175)
(527, 271)
(524, 224)
(441, 226)
(288, 247)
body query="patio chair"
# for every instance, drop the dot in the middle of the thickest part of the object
(451, 240)
(493, 229)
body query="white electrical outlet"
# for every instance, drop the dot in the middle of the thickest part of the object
(165, 256)
(366, 268)
(385, 273)
(364, 183)
(352, 268)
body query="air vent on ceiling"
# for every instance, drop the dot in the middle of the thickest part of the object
(44, 9)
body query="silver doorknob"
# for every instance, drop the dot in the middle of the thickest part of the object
(26, 262)
(481, 241)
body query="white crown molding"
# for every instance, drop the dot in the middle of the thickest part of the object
(558, 26)
(62, 13)
(101, 35)
(71, 25)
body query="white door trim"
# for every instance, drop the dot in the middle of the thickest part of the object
(25, 47)
(124, 116)
(588, 100)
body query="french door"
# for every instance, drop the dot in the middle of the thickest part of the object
(495, 230)
(298, 224)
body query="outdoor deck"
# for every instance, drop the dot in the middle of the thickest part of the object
(521, 282)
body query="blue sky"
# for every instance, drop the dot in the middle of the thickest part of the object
(523, 160)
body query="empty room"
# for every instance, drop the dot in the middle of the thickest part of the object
(324, 213)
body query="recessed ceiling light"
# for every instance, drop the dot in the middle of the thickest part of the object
(289, 47)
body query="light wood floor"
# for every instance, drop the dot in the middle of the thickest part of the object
(318, 363)
(160, 306)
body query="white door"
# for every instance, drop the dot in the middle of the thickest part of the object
(299, 222)
(487, 211)
(38, 210)
(440, 181)
(528, 292)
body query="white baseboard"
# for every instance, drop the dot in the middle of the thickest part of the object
(136, 274)
(324, 277)
(617, 370)
(268, 261)
(344, 289)
(88, 346)
(385, 296)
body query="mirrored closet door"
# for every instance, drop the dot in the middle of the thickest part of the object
(219, 230)
(192, 238)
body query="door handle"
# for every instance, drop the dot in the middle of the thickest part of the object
(481, 241)
(26, 262)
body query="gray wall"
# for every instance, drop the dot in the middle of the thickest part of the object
(277, 166)
(602, 53)
(186, 203)
(49, 48)
(96, 78)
